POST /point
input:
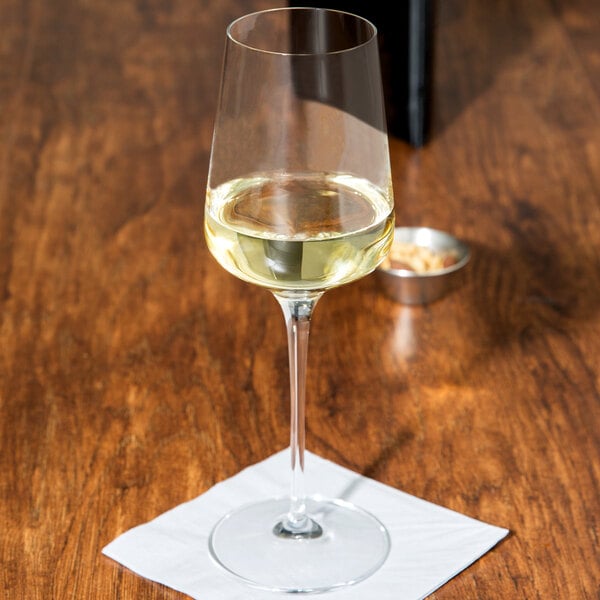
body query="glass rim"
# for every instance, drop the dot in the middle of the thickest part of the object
(289, 9)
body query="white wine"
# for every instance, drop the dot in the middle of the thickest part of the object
(305, 232)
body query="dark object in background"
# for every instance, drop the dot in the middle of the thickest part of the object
(405, 32)
(318, 68)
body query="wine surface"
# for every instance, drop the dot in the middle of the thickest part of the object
(304, 232)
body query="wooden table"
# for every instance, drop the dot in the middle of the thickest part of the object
(135, 373)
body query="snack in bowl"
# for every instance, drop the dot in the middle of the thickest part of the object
(423, 265)
(408, 256)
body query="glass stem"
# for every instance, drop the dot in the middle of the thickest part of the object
(297, 310)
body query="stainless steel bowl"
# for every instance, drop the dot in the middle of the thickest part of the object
(423, 287)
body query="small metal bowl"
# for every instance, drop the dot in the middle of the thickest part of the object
(423, 287)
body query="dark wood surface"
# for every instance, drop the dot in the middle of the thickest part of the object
(135, 373)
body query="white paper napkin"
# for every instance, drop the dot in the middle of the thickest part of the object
(430, 544)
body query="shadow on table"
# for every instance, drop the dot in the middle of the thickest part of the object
(474, 42)
(529, 289)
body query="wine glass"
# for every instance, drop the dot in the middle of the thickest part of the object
(299, 201)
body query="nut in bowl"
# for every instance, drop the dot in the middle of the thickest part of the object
(423, 265)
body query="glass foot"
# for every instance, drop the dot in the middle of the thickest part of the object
(353, 545)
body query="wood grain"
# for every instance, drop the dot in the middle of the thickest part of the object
(135, 373)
